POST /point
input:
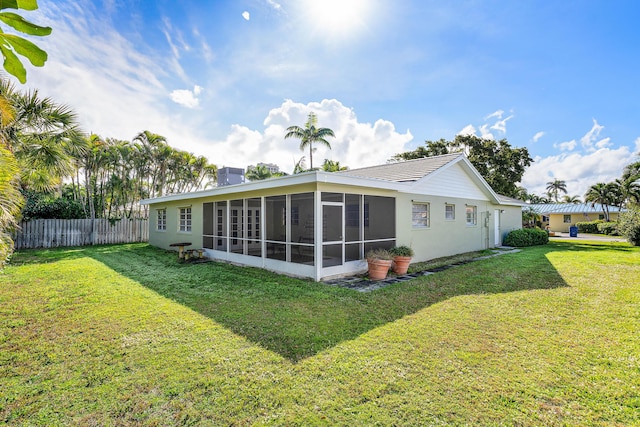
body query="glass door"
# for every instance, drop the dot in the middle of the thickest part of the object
(332, 234)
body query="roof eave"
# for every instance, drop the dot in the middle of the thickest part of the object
(285, 181)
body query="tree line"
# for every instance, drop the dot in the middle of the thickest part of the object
(62, 172)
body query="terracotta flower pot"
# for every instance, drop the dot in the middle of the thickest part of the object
(401, 264)
(378, 268)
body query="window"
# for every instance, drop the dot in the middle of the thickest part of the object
(472, 215)
(161, 224)
(567, 219)
(449, 212)
(185, 220)
(420, 215)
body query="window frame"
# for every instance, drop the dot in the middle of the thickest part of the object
(447, 210)
(473, 209)
(161, 219)
(426, 221)
(185, 221)
(565, 217)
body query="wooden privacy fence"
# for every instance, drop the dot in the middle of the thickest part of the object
(53, 233)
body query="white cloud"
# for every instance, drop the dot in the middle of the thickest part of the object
(176, 43)
(485, 133)
(356, 144)
(498, 114)
(566, 146)
(274, 5)
(603, 143)
(187, 98)
(589, 139)
(467, 130)
(501, 125)
(484, 130)
(105, 78)
(537, 136)
(207, 53)
(579, 171)
(246, 15)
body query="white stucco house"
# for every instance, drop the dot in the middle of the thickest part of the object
(321, 225)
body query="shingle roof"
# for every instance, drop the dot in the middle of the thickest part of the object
(570, 208)
(407, 171)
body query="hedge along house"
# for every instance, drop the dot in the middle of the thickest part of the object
(321, 224)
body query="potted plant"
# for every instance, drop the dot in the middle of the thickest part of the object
(379, 262)
(401, 259)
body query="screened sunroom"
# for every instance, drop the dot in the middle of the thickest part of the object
(312, 234)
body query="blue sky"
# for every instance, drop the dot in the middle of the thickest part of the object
(225, 78)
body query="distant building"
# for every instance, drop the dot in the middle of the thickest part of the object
(271, 167)
(562, 216)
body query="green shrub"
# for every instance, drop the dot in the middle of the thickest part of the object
(608, 228)
(590, 227)
(629, 225)
(527, 237)
(401, 251)
(47, 206)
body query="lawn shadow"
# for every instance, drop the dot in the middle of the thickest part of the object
(300, 318)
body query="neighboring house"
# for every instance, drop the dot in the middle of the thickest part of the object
(561, 216)
(321, 224)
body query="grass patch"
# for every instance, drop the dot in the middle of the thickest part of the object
(124, 335)
(440, 262)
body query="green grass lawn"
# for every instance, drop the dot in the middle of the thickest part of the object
(125, 335)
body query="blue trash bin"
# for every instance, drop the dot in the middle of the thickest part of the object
(573, 231)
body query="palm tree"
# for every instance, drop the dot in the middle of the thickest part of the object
(42, 136)
(529, 217)
(522, 194)
(603, 194)
(333, 166)
(571, 199)
(10, 198)
(300, 166)
(157, 151)
(10, 202)
(310, 134)
(630, 184)
(555, 186)
(258, 173)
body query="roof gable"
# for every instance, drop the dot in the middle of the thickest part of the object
(453, 181)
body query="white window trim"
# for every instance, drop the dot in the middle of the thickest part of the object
(453, 211)
(164, 222)
(428, 219)
(475, 215)
(189, 231)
